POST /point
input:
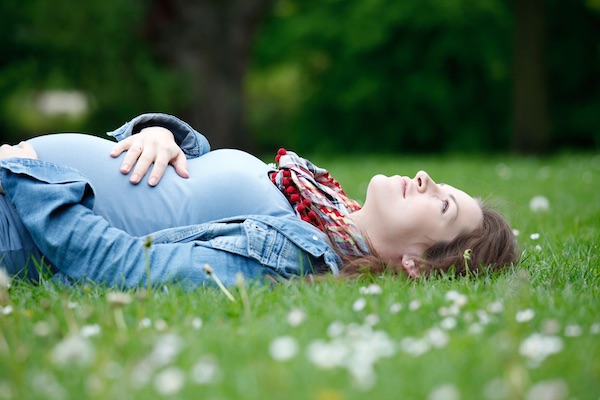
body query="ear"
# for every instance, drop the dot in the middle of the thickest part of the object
(410, 265)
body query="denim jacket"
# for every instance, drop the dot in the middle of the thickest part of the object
(54, 203)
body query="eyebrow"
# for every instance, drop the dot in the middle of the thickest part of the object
(457, 208)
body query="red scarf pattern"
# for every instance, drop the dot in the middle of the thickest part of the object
(319, 200)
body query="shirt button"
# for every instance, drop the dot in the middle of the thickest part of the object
(315, 238)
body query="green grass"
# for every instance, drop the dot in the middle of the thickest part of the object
(476, 349)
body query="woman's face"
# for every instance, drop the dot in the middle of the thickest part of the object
(415, 213)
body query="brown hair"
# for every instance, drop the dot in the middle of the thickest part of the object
(492, 245)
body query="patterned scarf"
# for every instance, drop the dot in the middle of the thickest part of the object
(319, 200)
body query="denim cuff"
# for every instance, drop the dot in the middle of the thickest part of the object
(43, 171)
(191, 142)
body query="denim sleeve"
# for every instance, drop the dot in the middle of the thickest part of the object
(55, 203)
(192, 142)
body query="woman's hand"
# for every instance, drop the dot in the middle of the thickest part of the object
(153, 145)
(23, 150)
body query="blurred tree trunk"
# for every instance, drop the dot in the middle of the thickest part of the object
(209, 43)
(531, 123)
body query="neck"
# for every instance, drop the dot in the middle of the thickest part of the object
(388, 248)
(367, 228)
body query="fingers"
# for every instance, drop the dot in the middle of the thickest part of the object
(119, 148)
(153, 147)
(28, 150)
(22, 150)
(180, 165)
(159, 160)
(142, 165)
(134, 153)
(158, 170)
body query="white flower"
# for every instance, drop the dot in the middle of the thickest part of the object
(524, 315)
(495, 307)
(448, 323)
(460, 301)
(370, 290)
(363, 374)
(444, 392)
(48, 386)
(475, 328)
(415, 347)
(504, 171)
(516, 232)
(539, 204)
(395, 308)
(42, 329)
(484, 318)
(196, 323)
(296, 317)
(595, 328)
(359, 304)
(87, 331)
(573, 330)
(537, 347)
(548, 390)
(327, 355)
(437, 337)
(534, 236)
(145, 323)
(118, 299)
(372, 319)
(356, 348)
(283, 348)
(550, 327)
(537, 247)
(335, 329)
(496, 389)
(6, 310)
(73, 351)
(451, 295)
(166, 349)
(205, 371)
(169, 381)
(414, 305)
(161, 325)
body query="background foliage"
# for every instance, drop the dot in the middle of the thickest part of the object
(429, 75)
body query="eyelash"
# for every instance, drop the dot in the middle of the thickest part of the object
(445, 205)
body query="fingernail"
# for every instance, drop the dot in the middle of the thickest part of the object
(135, 177)
(124, 167)
(152, 181)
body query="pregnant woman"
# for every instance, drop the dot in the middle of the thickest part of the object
(67, 201)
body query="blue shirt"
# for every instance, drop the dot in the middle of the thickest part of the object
(222, 183)
(55, 205)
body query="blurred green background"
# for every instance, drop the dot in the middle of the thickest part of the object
(405, 76)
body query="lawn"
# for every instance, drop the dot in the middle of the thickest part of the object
(530, 333)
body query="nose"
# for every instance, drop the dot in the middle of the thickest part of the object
(423, 181)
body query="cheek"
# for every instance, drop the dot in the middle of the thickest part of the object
(423, 217)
